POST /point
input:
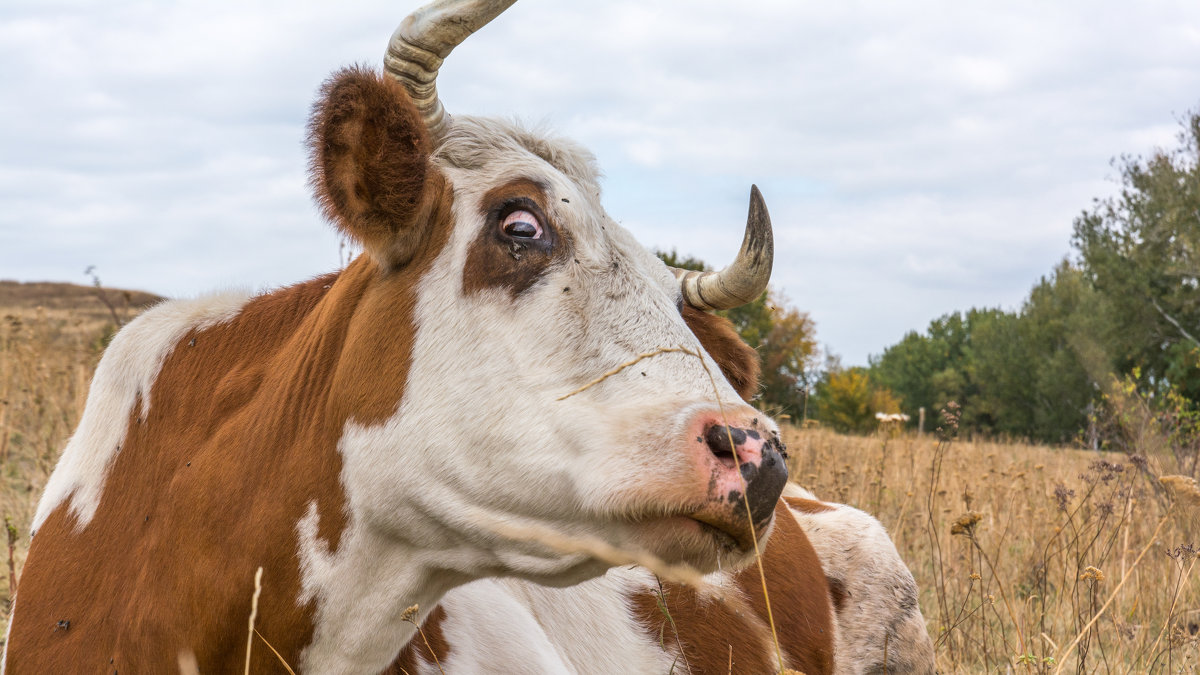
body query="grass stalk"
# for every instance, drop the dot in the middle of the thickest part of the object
(1112, 596)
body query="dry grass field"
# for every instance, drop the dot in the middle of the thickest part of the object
(1029, 559)
(1017, 548)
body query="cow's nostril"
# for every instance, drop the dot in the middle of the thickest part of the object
(717, 438)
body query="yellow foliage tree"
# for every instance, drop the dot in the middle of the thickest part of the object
(848, 401)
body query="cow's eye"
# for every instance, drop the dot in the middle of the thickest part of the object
(522, 224)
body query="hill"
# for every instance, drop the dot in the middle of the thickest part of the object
(81, 301)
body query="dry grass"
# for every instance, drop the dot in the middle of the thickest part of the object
(1017, 548)
(1046, 538)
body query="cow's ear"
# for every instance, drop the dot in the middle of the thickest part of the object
(369, 163)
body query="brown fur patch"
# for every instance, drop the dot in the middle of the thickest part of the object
(241, 437)
(370, 162)
(498, 260)
(739, 361)
(708, 628)
(417, 652)
(799, 596)
(807, 505)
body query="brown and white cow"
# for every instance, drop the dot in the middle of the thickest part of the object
(364, 436)
(361, 436)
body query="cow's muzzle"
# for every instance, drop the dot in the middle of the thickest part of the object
(749, 471)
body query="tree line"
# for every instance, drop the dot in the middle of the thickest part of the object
(1117, 317)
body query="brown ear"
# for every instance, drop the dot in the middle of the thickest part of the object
(370, 163)
(739, 362)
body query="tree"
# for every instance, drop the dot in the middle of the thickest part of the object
(1025, 373)
(847, 399)
(1061, 325)
(788, 353)
(927, 371)
(1141, 251)
(684, 262)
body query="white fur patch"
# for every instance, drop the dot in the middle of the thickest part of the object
(879, 615)
(356, 633)
(513, 626)
(126, 373)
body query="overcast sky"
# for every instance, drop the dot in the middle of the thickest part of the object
(917, 157)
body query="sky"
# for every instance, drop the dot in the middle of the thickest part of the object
(917, 158)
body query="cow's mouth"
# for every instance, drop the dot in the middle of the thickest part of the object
(731, 534)
(703, 539)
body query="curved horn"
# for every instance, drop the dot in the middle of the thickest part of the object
(746, 277)
(424, 39)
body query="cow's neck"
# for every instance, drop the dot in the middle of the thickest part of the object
(341, 371)
(332, 592)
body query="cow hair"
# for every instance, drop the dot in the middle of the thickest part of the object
(369, 163)
(474, 142)
(739, 361)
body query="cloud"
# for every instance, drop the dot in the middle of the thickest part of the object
(917, 158)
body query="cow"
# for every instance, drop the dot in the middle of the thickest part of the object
(331, 459)
(363, 437)
(630, 621)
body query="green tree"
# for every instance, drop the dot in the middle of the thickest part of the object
(1060, 325)
(683, 262)
(1141, 251)
(1027, 374)
(998, 364)
(927, 371)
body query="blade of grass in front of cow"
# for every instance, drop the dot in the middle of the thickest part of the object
(253, 615)
(623, 366)
(661, 600)
(254, 631)
(745, 497)
(600, 550)
(274, 651)
(187, 663)
(409, 615)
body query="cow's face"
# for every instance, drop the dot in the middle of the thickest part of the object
(527, 291)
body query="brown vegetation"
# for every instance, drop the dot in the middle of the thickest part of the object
(1017, 548)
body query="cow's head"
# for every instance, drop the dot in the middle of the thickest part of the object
(522, 290)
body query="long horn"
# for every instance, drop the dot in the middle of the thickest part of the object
(746, 277)
(424, 39)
